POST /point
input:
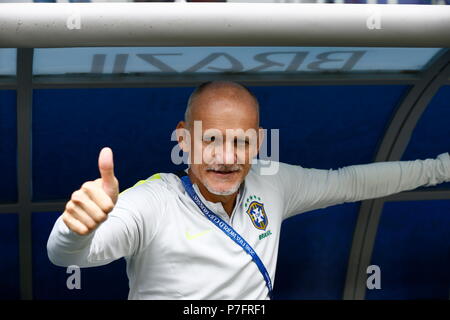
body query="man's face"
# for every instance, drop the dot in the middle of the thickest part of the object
(224, 137)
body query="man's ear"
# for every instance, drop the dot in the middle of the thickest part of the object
(183, 136)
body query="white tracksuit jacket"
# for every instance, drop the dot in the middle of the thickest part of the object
(174, 252)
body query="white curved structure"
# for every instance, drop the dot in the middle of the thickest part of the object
(35, 25)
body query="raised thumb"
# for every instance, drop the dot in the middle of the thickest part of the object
(106, 168)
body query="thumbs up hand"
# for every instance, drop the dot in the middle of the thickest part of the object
(89, 206)
(106, 167)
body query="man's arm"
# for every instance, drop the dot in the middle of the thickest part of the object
(117, 237)
(309, 189)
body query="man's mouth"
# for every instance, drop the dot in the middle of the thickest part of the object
(222, 173)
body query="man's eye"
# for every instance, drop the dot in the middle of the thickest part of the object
(241, 142)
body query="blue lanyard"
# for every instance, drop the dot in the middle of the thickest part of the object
(228, 230)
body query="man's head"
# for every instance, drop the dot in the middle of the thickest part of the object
(222, 119)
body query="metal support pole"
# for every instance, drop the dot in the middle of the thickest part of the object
(38, 25)
(24, 102)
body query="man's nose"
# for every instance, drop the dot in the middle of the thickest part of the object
(226, 154)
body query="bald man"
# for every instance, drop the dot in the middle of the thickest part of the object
(212, 230)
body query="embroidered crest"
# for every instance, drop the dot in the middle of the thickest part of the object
(258, 215)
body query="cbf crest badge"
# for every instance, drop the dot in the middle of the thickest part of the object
(257, 214)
